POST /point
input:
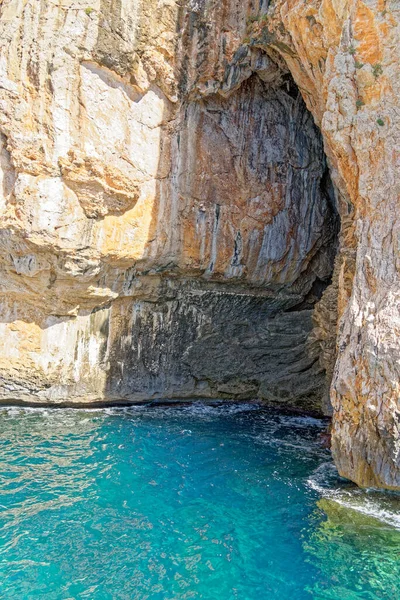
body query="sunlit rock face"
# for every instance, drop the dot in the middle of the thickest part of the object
(168, 219)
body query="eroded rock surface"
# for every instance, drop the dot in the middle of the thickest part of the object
(168, 222)
(345, 58)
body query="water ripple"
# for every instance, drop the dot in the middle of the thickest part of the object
(190, 501)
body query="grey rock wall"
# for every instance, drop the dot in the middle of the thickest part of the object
(167, 222)
(213, 343)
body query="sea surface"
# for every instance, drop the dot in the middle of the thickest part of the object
(178, 502)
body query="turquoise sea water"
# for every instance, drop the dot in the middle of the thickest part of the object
(226, 502)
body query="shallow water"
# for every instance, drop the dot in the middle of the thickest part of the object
(228, 502)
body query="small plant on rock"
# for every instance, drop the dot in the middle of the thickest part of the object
(252, 19)
(377, 70)
(89, 10)
(380, 122)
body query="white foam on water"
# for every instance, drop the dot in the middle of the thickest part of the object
(302, 422)
(166, 410)
(197, 409)
(321, 479)
(372, 509)
(201, 408)
(325, 481)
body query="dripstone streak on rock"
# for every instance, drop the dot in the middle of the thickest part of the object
(174, 177)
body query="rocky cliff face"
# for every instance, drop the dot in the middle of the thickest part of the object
(345, 58)
(170, 210)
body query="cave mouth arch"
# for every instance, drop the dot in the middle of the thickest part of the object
(229, 295)
(249, 311)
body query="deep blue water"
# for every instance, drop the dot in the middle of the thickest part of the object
(173, 503)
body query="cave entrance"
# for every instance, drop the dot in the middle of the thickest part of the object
(259, 230)
(264, 223)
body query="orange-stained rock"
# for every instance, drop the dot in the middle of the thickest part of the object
(366, 35)
(356, 107)
(167, 219)
(168, 225)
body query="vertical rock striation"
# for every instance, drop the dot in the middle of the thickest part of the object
(345, 58)
(168, 222)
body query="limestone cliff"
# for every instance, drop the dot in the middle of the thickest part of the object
(344, 55)
(172, 175)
